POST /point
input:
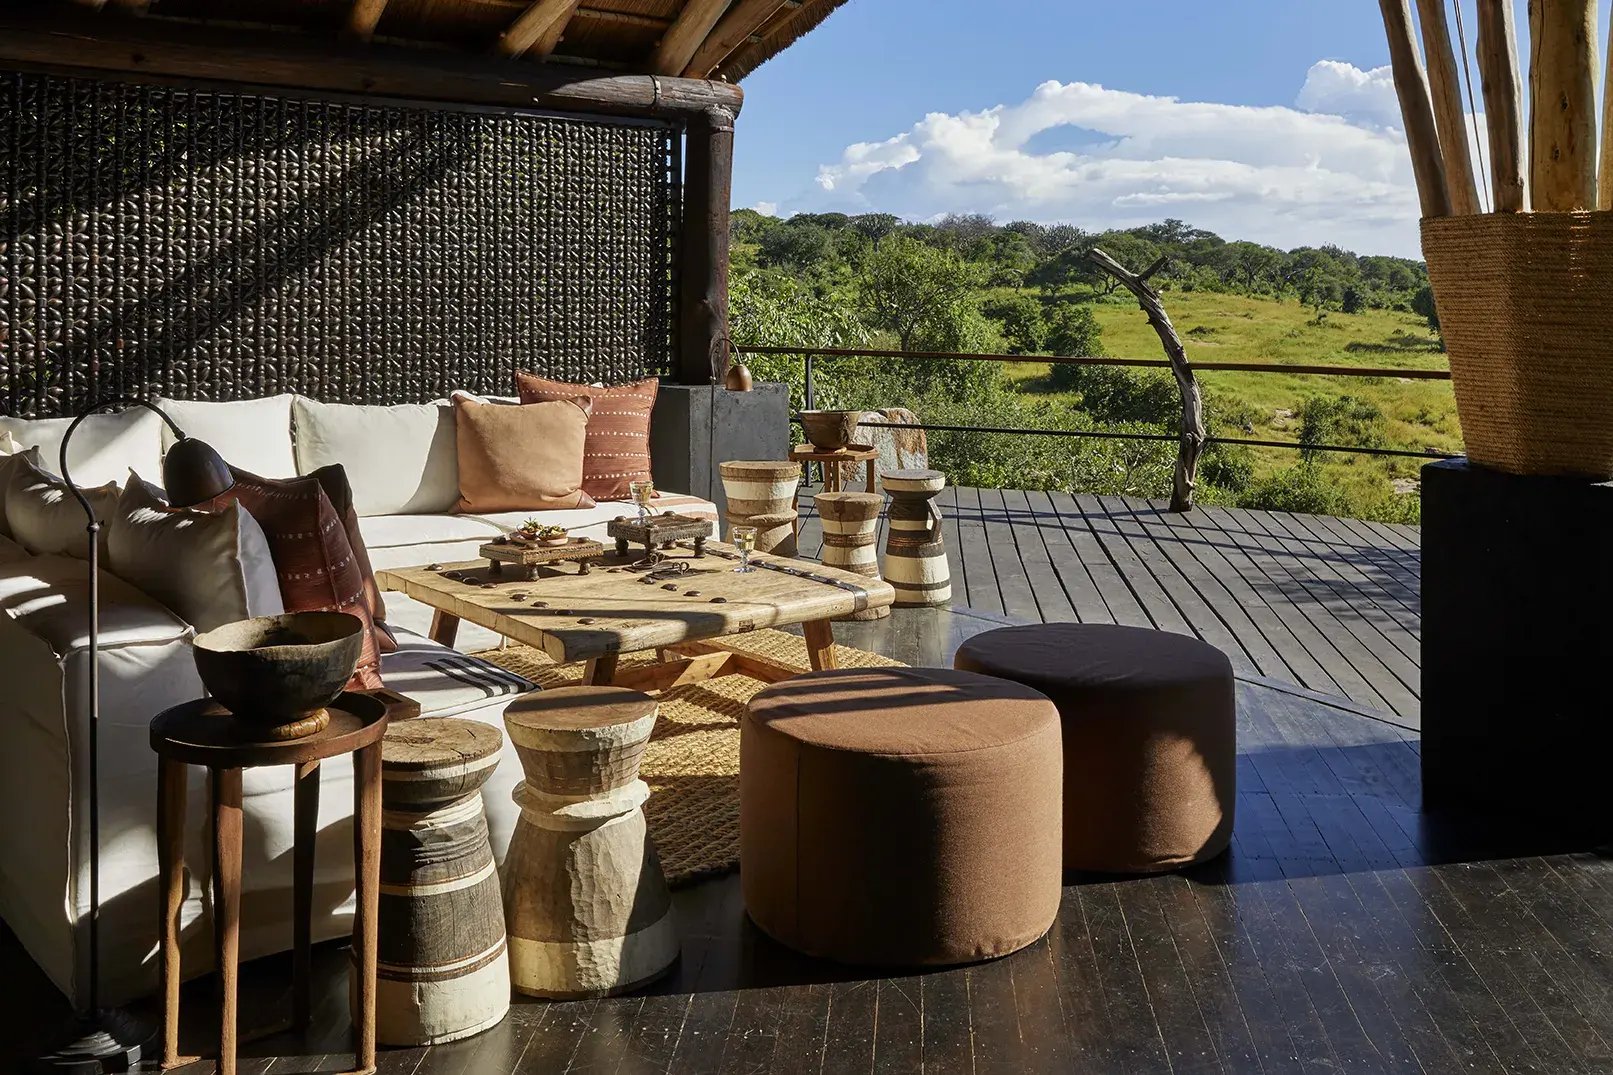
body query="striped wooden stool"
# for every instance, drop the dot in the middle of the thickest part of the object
(915, 554)
(761, 493)
(851, 539)
(587, 905)
(444, 970)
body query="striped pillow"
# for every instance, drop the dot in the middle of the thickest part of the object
(616, 450)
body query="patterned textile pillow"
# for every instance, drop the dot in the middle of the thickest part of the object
(617, 449)
(313, 556)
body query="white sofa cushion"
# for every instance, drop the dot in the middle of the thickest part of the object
(8, 444)
(252, 434)
(104, 447)
(49, 597)
(9, 466)
(400, 460)
(10, 550)
(43, 515)
(212, 568)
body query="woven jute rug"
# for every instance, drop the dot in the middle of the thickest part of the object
(692, 762)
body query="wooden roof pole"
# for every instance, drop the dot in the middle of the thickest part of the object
(1449, 115)
(1503, 104)
(538, 28)
(743, 19)
(361, 21)
(678, 45)
(1562, 104)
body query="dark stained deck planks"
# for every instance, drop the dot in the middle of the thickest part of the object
(1330, 605)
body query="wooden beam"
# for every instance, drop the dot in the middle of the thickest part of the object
(1411, 86)
(362, 20)
(1604, 192)
(1503, 104)
(693, 25)
(538, 28)
(736, 27)
(1449, 115)
(135, 48)
(1562, 104)
(703, 351)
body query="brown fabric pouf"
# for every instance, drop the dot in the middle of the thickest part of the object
(1150, 738)
(900, 816)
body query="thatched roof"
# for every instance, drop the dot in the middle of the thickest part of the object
(717, 39)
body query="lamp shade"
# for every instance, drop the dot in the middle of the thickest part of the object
(193, 473)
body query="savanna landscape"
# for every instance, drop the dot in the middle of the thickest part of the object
(971, 285)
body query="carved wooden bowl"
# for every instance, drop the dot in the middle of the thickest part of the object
(279, 673)
(829, 430)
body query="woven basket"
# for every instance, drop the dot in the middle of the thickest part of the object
(1524, 305)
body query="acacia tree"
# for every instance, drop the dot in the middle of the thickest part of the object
(921, 295)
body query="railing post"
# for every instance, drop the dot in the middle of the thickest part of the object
(810, 394)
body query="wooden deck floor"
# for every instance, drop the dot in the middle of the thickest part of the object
(1343, 931)
(1330, 605)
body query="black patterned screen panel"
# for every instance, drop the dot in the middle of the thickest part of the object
(225, 246)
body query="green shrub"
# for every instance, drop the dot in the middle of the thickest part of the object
(1299, 488)
(1342, 420)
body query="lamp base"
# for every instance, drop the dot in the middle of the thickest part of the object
(102, 1041)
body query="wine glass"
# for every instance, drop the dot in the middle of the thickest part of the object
(743, 538)
(642, 492)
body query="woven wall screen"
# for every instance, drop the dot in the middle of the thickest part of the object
(225, 246)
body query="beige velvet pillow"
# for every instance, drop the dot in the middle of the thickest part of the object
(43, 515)
(525, 458)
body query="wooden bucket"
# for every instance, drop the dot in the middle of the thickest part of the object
(586, 903)
(851, 539)
(443, 963)
(915, 552)
(761, 493)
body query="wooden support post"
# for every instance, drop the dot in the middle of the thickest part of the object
(708, 188)
(1193, 434)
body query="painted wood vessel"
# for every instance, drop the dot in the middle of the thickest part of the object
(587, 905)
(915, 552)
(761, 493)
(443, 961)
(851, 538)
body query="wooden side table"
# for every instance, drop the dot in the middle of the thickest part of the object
(203, 733)
(806, 454)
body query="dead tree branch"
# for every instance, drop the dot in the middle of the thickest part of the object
(1192, 427)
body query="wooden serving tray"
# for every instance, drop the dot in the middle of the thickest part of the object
(529, 556)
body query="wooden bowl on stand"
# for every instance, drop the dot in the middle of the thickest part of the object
(829, 431)
(278, 673)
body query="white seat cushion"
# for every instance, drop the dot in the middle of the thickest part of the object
(105, 447)
(252, 434)
(49, 597)
(445, 682)
(400, 460)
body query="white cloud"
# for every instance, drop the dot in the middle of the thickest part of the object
(1334, 168)
(766, 208)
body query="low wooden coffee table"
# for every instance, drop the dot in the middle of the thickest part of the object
(612, 610)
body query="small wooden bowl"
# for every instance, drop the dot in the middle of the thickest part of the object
(280, 672)
(829, 430)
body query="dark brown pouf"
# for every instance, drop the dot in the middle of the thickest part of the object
(1150, 738)
(900, 816)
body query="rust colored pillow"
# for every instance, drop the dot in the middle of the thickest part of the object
(618, 446)
(333, 479)
(521, 458)
(313, 557)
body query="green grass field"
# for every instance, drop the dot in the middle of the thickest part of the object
(1234, 328)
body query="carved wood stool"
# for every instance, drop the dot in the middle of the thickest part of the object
(915, 552)
(851, 539)
(586, 903)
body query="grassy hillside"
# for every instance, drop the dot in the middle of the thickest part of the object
(1235, 328)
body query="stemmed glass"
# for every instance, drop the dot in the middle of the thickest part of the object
(642, 492)
(743, 538)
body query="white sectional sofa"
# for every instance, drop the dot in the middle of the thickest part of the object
(401, 465)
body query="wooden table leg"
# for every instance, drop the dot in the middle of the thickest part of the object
(171, 776)
(227, 830)
(367, 867)
(601, 671)
(306, 830)
(873, 475)
(820, 640)
(444, 628)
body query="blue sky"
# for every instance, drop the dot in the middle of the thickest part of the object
(1310, 157)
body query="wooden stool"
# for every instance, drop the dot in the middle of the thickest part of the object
(444, 972)
(915, 553)
(586, 902)
(803, 454)
(762, 494)
(851, 539)
(203, 733)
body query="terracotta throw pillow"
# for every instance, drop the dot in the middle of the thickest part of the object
(313, 557)
(521, 458)
(617, 450)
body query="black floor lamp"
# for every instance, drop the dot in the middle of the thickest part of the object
(109, 1039)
